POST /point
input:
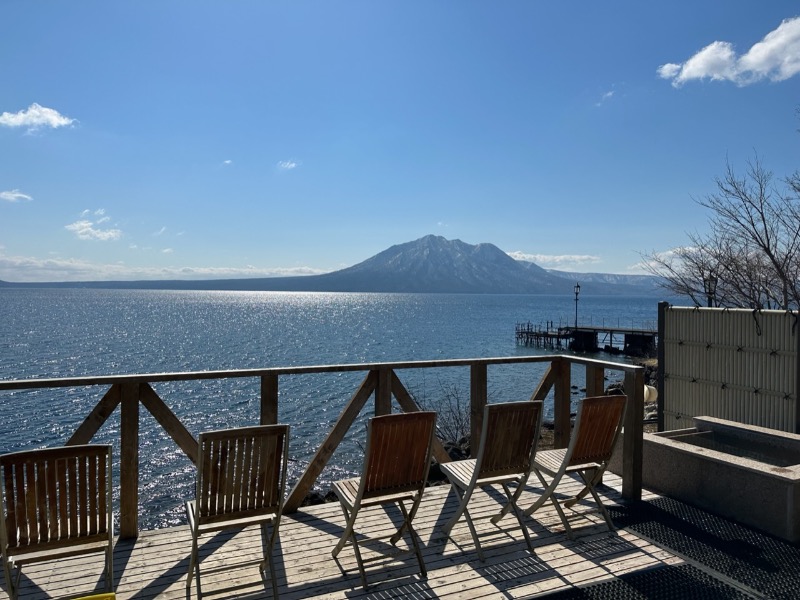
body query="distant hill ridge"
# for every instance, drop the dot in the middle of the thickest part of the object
(431, 264)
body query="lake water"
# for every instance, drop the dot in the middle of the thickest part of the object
(46, 333)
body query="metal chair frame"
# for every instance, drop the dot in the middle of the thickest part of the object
(396, 464)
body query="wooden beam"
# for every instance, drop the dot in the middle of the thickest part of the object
(269, 399)
(634, 432)
(595, 381)
(383, 393)
(546, 384)
(562, 422)
(129, 462)
(169, 422)
(327, 448)
(478, 397)
(92, 423)
(407, 403)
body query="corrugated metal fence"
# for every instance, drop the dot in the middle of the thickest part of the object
(734, 364)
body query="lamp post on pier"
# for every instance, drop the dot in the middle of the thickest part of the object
(577, 291)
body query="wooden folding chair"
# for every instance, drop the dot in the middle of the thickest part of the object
(597, 426)
(396, 463)
(508, 445)
(56, 503)
(241, 478)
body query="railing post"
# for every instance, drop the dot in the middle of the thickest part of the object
(562, 424)
(129, 462)
(383, 393)
(269, 399)
(478, 397)
(634, 430)
(595, 381)
(662, 363)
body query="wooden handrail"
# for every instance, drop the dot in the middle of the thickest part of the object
(381, 383)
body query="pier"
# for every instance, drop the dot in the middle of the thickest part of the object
(616, 340)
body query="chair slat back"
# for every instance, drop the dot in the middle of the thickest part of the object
(398, 453)
(508, 440)
(597, 425)
(55, 495)
(241, 472)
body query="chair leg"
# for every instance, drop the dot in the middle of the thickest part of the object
(12, 577)
(193, 559)
(268, 541)
(597, 476)
(464, 496)
(590, 483)
(513, 501)
(550, 493)
(110, 567)
(349, 532)
(412, 532)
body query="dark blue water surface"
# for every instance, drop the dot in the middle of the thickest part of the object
(48, 333)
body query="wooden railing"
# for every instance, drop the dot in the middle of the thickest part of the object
(381, 383)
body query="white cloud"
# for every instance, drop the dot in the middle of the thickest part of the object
(565, 262)
(14, 196)
(287, 165)
(776, 57)
(85, 229)
(30, 269)
(159, 232)
(167, 251)
(35, 117)
(604, 97)
(227, 162)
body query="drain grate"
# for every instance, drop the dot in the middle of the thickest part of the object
(662, 583)
(755, 560)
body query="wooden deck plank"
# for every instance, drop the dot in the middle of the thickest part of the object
(154, 565)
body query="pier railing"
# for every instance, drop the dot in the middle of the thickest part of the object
(381, 383)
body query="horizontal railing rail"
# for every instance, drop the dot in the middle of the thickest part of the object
(381, 383)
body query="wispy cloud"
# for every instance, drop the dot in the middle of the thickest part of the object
(776, 57)
(287, 165)
(88, 229)
(30, 269)
(566, 262)
(225, 163)
(35, 117)
(167, 251)
(15, 196)
(159, 232)
(604, 98)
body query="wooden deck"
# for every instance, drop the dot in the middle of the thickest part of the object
(154, 565)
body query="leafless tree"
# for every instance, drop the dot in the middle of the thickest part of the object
(752, 249)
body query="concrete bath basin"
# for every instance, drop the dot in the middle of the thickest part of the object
(747, 473)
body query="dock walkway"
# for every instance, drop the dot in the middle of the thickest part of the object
(662, 549)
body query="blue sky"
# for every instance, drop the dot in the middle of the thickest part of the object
(148, 140)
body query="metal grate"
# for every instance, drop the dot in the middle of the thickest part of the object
(662, 583)
(725, 549)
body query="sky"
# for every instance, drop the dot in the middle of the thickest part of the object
(199, 139)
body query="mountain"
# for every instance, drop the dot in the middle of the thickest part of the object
(646, 282)
(431, 264)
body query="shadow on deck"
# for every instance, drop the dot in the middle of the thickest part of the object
(662, 549)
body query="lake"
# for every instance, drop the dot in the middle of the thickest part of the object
(46, 333)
